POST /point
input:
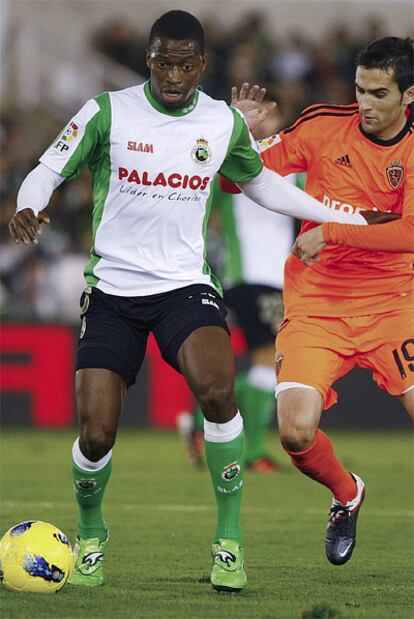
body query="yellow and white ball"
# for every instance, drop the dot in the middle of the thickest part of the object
(35, 557)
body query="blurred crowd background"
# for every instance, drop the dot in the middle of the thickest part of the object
(42, 86)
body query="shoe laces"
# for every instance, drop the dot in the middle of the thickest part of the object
(340, 518)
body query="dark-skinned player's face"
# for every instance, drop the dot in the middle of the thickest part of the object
(175, 68)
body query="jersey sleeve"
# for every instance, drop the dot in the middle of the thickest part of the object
(76, 144)
(396, 236)
(286, 152)
(242, 162)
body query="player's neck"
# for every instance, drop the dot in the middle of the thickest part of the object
(182, 111)
(394, 132)
(391, 132)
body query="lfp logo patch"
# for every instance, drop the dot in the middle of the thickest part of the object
(266, 143)
(70, 132)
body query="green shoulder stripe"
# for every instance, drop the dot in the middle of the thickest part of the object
(100, 171)
(232, 272)
(206, 267)
(87, 145)
(242, 162)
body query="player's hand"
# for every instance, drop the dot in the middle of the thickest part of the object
(379, 217)
(250, 102)
(25, 227)
(308, 245)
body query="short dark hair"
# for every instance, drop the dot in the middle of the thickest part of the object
(180, 26)
(391, 53)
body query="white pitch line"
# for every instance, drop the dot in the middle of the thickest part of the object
(171, 507)
(126, 506)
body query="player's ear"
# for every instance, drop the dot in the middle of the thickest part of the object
(148, 59)
(408, 95)
(203, 61)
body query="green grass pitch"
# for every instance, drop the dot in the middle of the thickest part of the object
(161, 517)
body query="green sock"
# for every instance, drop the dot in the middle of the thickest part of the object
(225, 463)
(89, 489)
(257, 410)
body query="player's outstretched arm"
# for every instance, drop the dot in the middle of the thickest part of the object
(32, 199)
(249, 101)
(275, 193)
(308, 245)
(395, 236)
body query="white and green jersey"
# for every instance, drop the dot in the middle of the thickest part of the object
(151, 172)
(256, 241)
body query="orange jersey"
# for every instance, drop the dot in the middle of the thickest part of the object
(348, 170)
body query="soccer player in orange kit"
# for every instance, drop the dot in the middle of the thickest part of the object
(348, 291)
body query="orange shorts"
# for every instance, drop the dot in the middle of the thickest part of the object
(316, 351)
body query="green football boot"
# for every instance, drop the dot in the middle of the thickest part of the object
(228, 566)
(88, 566)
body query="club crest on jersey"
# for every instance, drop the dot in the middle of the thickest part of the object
(395, 174)
(70, 132)
(201, 153)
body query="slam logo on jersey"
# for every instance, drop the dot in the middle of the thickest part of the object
(201, 153)
(70, 132)
(395, 174)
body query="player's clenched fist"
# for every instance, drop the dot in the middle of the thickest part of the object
(25, 227)
(308, 245)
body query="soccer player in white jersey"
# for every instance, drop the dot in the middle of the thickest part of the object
(152, 151)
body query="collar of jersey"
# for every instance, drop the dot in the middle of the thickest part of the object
(182, 111)
(406, 129)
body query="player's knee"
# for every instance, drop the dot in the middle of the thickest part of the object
(96, 442)
(217, 401)
(294, 437)
(298, 413)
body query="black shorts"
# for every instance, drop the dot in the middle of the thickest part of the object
(258, 311)
(114, 330)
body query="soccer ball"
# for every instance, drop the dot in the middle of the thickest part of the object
(35, 556)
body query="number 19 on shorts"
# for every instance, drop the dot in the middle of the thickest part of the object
(403, 358)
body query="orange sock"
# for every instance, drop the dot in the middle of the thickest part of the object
(321, 464)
